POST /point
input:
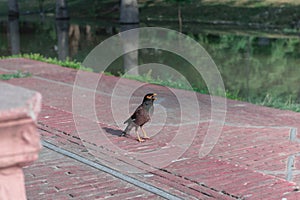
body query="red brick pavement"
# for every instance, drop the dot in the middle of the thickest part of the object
(55, 176)
(256, 156)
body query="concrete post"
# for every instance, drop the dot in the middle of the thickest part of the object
(20, 142)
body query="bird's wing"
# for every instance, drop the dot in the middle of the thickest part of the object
(132, 118)
(136, 113)
(140, 116)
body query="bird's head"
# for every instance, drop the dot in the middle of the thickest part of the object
(150, 97)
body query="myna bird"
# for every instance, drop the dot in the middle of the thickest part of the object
(140, 116)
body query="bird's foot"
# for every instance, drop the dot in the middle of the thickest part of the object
(140, 140)
(146, 138)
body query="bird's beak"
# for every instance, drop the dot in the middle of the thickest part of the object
(153, 96)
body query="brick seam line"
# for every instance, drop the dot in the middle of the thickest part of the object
(112, 172)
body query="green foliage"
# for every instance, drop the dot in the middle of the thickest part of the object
(179, 1)
(234, 95)
(267, 14)
(285, 104)
(18, 74)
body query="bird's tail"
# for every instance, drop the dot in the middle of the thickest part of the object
(127, 121)
(128, 128)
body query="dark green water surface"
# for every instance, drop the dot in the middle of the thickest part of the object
(254, 64)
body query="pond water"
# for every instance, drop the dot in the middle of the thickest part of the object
(253, 65)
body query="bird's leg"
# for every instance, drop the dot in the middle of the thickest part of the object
(138, 136)
(145, 134)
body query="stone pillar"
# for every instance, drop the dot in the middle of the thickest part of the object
(20, 142)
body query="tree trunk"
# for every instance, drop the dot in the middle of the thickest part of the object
(62, 9)
(13, 9)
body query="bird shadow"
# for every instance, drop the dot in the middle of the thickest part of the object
(115, 132)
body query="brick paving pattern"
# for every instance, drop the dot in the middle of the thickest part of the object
(55, 176)
(256, 156)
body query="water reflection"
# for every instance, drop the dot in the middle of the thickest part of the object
(14, 36)
(271, 67)
(62, 29)
(251, 66)
(130, 42)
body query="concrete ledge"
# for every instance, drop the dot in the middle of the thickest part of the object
(20, 142)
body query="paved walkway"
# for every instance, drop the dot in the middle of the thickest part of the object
(256, 155)
(55, 176)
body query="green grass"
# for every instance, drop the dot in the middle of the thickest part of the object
(39, 57)
(18, 74)
(269, 100)
(284, 104)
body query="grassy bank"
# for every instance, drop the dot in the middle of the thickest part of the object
(39, 57)
(268, 100)
(17, 74)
